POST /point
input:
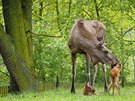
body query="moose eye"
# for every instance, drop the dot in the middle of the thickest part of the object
(106, 52)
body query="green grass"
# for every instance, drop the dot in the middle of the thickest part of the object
(63, 94)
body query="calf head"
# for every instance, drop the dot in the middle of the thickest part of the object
(88, 90)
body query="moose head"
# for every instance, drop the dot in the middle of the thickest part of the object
(101, 53)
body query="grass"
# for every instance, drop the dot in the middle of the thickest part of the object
(63, 94)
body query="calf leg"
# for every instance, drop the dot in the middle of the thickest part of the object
(117, 85)
(105, 78)
(73, 56)
(113, 87)
(88, 66)
(110, 88)
(94, 75)
(119, 89)
(111, 84)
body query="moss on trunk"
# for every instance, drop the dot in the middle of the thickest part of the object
(16, 66)
(17, 17)
(18, 20)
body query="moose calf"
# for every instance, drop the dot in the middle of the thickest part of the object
(114, 78)
(88, 90)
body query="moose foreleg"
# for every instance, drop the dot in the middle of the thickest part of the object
(105, 78)
(73, 56)
(94, 75)
(88, 67)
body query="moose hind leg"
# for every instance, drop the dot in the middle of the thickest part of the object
(73, 56)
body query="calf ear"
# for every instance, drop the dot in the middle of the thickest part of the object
(119, 64)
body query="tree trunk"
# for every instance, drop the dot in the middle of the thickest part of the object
(17, 17)
(57, 12)
(96, 8)
(27, 16)
(122, 62)
(132, 49)
(18, 20)
(57, 81)
(39, 48)
(17, 68)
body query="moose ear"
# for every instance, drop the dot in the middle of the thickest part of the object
(80, 23)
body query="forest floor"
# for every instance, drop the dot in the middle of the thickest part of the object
(63, 94)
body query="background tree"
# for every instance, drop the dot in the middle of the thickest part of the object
(17, 18)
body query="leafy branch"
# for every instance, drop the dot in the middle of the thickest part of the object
(30, 33)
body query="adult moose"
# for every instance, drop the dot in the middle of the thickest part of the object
(87, 37)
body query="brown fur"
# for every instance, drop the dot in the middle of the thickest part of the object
(91, 29)
(86, 31)
(114, 78)
(88, 90)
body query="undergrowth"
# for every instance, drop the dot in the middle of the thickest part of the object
(63, 94)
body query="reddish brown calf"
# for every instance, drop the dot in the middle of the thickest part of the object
(88, 90)
(114, 78)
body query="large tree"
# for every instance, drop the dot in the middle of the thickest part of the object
(17, 52)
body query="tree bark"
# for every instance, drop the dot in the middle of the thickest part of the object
(17, 68)
(122, 61)
(18, 20)
(27, 16)
(39, 48)
(58, 19)
(96, 8)
(17, 17)
(57, 81)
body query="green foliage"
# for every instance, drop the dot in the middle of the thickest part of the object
(4, 81)
(52, 55)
